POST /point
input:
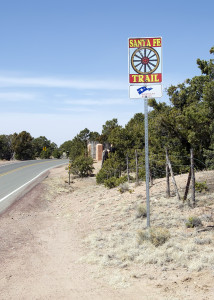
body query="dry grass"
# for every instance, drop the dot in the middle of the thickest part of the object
(114, 241)
(156, 235)
(111, 240)
(141, 211)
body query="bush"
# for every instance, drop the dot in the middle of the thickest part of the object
(201, 186)
(141, 211)
(111, 182)
(56, 153)
(143, 236)
(123, 187)
(101, 176)
(114, 181)
(121, 180)
(156, 235)
(82, 166)
(193, 222)
(111, 168)
(159, 236)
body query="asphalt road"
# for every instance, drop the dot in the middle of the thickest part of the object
(17, 178)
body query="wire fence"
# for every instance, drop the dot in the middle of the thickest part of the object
(164, 171)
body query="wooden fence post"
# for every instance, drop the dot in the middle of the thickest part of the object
(136, 159)
(69, 174)
(187, 185)
(127, 164)
(167, 177)
(193, 176)
(172, 175)
(151, 178)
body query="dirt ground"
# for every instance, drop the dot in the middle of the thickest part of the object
(6, 162)
(81, 242)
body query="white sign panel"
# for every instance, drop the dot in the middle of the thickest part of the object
(142, 91)
(145, 67)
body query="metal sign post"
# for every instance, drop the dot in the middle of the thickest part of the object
(147, 159)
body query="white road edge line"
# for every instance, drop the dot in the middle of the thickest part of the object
(29, 182)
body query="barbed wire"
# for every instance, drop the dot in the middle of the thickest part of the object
(157, 168)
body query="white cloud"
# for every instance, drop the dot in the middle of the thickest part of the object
(52, 82)
(16, 96)
(75, 109)
(100, 102)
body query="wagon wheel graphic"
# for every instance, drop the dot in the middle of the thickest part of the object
(145, 60)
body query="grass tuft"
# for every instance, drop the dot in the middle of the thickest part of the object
(156, 235)
(141, 211)
(124, 187)
(193, 222)
(201, 186)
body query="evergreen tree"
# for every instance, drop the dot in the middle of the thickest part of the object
(23, 146)
(6, 149)
(107, 128)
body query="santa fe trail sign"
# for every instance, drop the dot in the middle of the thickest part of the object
(145, 67)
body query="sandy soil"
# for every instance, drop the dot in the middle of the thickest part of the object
(81, 242)
(7, 162)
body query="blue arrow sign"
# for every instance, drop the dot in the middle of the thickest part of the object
(143, 89)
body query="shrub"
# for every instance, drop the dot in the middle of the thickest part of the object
(114, 181)
(121, 180)
(111, 168)
(111, 182)
(193, 222)
(101, 176)
(143, 235)
(156, 235)
(201, 186)
(141, 211)
(159, 236)
(56, 153)
(123, 187)
(82, 166)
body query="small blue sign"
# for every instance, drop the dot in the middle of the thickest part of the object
(143, 89)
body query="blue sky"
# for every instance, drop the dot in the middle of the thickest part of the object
(64, 64)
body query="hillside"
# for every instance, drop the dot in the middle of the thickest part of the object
(81, 242)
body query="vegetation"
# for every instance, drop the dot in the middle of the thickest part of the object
(112, 167)
(111, 182)
(156, 235)
(114, 181)
(6, 148)
(78, 146)
(76, 149)
(141, 211)
(193, 222)
(201, 186)
(23, 146)
(82, 166)
(124, 187)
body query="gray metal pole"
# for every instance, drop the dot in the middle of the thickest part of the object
(147, 160)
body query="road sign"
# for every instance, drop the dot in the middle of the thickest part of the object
(148, 90)
(145, 60)
(145, 78)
